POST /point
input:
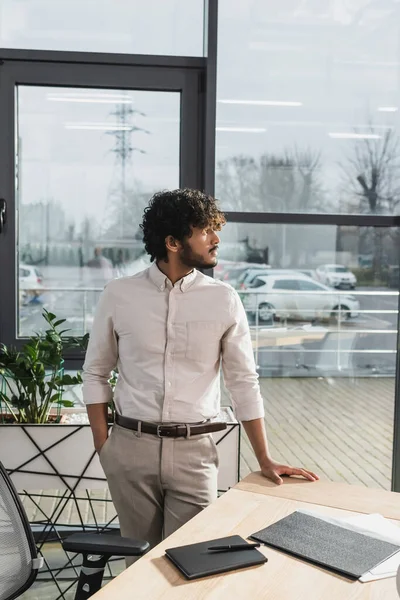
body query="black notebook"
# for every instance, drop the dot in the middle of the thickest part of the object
(196, 561)
(333, 547)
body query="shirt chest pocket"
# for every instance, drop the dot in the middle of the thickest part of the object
(203, 341)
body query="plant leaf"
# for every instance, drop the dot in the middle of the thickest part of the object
(59, 322)
(67, 403)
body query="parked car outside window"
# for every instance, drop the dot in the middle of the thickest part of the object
(30, 283)
(337, 276)
(296, 298)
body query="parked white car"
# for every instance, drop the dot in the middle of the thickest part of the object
(337, 276)
(30, 282)
(296, 297)
(246, 278)
(248, 273)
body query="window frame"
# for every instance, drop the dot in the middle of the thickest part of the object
(188, 81)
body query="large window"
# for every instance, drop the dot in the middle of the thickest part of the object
(308, 106)
(322, 305)
(308, 143)
(320, 300)
(89, 161)
(102, 103)
(169, 27)
(85, 148)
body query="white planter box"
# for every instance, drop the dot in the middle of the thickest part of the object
(61, 457)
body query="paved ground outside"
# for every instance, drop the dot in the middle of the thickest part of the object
(341, 428)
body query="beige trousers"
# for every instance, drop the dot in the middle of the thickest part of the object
(158, 484)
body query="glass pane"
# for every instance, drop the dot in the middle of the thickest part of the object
(170, 27)
(308, 106)
(89, 160)
(327, 356)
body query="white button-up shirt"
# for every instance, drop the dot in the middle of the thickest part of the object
(167, 342)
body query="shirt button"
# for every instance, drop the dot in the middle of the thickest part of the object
(169, 384)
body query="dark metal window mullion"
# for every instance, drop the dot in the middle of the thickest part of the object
(8, 192)
(356, 220)
(209, 138)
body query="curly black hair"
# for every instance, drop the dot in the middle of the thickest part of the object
(174, 213)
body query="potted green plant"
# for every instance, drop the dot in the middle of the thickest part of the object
(32, 380)
(36, 446)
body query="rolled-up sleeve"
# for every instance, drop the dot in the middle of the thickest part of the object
(238, 365)
(102, 352)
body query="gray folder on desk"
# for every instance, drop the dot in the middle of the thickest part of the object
(330, 546)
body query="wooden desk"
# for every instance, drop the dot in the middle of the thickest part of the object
(255, 503)
(337, 495)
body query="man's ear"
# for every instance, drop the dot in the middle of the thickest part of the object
(172, 244)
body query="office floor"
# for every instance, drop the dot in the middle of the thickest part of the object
(341, 428)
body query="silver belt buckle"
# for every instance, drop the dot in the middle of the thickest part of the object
(159, 431)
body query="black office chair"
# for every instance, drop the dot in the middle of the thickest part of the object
(19, 560)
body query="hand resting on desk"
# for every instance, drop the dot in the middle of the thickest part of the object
(273, 470)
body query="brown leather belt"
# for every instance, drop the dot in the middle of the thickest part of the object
(169, 431)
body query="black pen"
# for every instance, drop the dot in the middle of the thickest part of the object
(232, 547)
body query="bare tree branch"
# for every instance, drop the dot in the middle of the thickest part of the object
(371, 171)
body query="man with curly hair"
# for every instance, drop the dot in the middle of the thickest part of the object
(168, 330)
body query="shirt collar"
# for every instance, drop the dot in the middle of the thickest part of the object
(160, 280)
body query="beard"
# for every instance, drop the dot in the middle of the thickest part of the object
(192, 259)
